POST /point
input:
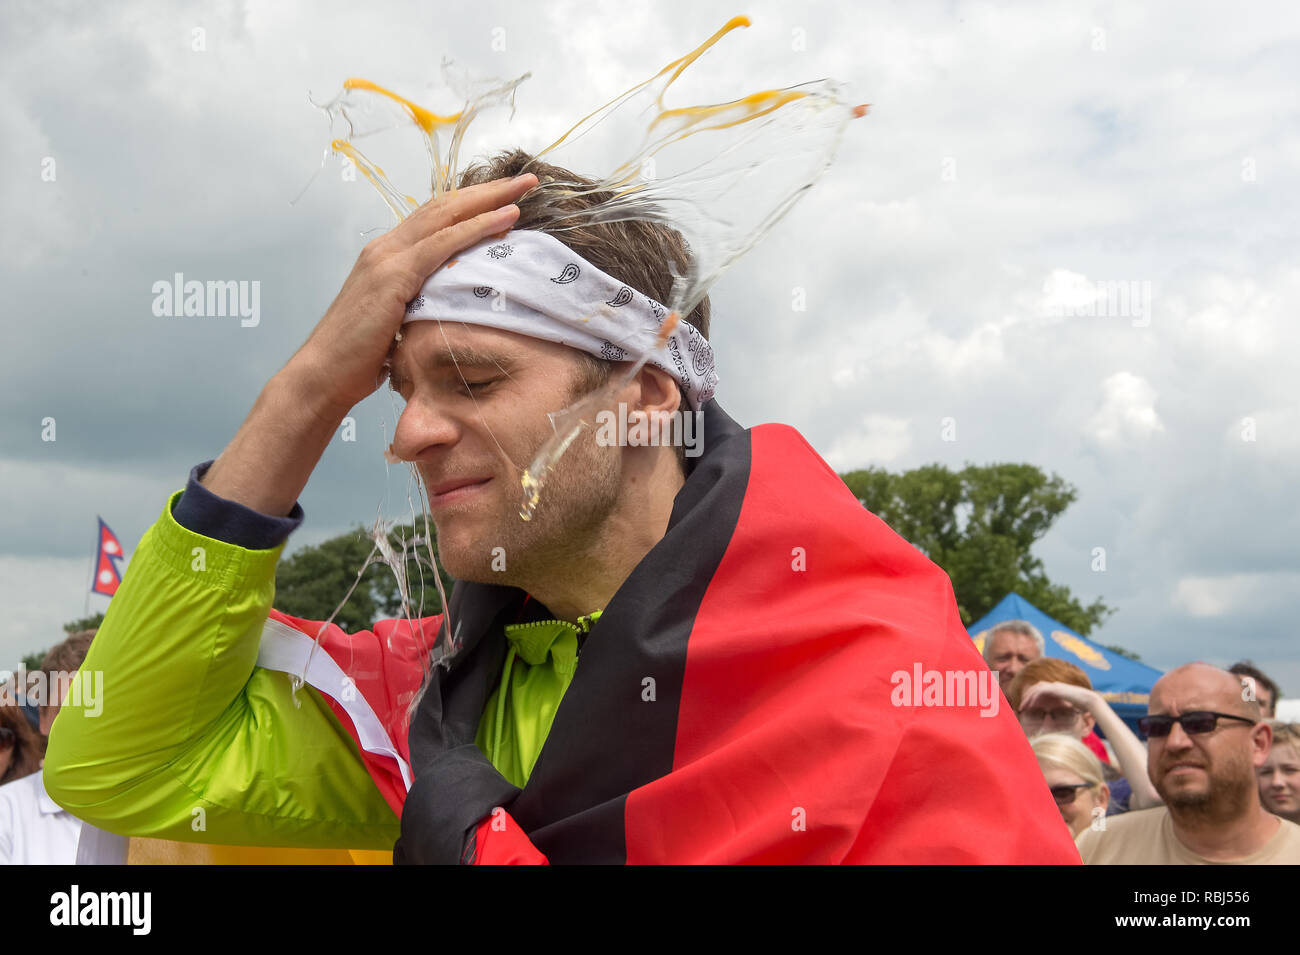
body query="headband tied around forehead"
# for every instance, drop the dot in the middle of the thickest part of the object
(533, 284)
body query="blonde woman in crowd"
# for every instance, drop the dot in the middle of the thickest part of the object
(1075, 777)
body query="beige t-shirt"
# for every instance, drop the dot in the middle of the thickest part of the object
(1146, 837)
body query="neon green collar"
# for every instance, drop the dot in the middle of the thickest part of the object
(532, 641)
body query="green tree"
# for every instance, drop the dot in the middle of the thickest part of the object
(85, 623)
(979, 524)
(314, 580)
(32, 661)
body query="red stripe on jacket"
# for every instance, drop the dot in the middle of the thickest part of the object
(386, 668)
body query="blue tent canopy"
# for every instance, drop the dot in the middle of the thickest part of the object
(1125, 684)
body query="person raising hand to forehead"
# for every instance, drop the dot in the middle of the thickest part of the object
(675, 659)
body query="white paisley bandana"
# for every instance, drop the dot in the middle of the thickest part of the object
(532, 283)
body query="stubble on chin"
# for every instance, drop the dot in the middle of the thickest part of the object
(1195, 802)
(576, 501)
(1224, 799)
(467, 551)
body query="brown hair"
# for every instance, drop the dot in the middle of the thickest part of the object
(1246, 668)
(1044, 670)
(637, 252)
(61, 662)
(67, 657)
(28, 747)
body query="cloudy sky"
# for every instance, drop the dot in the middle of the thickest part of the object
(1020, 163)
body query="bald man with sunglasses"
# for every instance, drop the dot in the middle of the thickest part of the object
(1205, 743)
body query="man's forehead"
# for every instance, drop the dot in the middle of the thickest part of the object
(1008, 639)
(434, 345)
(1196, 686)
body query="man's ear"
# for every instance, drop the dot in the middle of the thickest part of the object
(1261, 739)
(659, 391)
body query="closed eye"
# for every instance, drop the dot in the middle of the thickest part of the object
(399, 384)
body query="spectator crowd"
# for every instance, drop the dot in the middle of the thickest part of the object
(1217, 780)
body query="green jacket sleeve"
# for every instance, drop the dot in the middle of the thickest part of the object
(170, 730)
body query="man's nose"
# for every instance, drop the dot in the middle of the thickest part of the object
(422, 425)
(1178, 738)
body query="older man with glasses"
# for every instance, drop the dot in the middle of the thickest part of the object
(1205, 744)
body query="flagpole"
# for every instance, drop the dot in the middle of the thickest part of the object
(85, 611)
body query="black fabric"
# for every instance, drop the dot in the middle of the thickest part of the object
(606, 740)
(446, 801)
(202, 512)
(455, 785)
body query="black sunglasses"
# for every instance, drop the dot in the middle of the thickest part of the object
(1065, 795)
(1199, 721)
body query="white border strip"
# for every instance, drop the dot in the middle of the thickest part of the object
(287, 650)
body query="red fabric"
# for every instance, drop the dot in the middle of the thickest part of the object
(1094, 743)
(789, 749)
(498, 840)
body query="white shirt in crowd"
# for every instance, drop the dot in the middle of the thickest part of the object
(34, 829)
